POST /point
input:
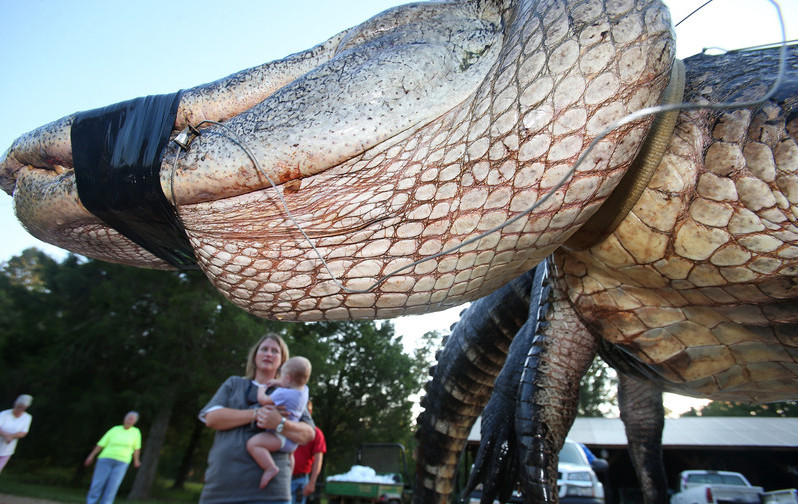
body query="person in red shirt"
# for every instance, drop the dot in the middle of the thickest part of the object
(307, 465)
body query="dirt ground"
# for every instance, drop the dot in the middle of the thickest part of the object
(13, 499)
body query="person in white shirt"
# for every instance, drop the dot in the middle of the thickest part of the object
(14, 425)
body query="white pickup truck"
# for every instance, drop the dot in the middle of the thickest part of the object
(788, 496)
(715, 487)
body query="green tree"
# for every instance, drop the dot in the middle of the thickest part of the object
(26, 270)
(597, 390)
(361, 384)
(92, 340)
(23, 319)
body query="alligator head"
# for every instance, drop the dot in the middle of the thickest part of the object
(366, 176)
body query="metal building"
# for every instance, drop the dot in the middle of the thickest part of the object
(764, 449)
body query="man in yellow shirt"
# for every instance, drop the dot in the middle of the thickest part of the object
(116, 448)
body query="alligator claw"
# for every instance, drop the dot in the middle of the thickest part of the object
(484, 334)
(496, 464)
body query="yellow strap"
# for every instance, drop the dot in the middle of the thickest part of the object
(620, 202)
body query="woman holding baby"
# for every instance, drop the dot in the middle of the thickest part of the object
(233, 476)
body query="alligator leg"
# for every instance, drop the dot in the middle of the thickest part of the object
(643, 417)
(560, 355)
(462, 382)
(496, 464)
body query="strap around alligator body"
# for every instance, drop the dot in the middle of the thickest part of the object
(117, 152)
(620, 202)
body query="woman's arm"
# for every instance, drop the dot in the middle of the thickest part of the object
(269, 417)
(14, 435)
(229, 418)
(91, 456)
(298, 432)
(136, 460)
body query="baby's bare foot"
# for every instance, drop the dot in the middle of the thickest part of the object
(268, 474)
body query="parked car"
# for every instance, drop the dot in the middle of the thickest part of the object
(576, 479)
(713, 487)
(788, 496)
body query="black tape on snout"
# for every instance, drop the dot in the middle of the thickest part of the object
(117, 152)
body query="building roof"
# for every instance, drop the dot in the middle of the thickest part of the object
(707, 432)
(720, 432)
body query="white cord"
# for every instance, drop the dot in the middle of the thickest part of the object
(634, 116)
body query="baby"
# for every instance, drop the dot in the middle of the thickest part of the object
(292, 393)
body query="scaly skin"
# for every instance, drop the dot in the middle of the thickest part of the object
(412, 134)
(644, 291)
(699, 281)
(462, 382)
(547, 400)
(643, 416)
(538, 387)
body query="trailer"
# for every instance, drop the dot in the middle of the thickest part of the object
(389, 486)
(354, 492)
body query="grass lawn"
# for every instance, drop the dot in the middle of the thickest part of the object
(29, 486)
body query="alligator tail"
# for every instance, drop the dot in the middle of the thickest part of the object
(462, 383)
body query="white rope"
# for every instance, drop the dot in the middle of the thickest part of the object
(632, 117)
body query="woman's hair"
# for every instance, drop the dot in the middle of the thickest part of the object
(249, 372)
(24, 400)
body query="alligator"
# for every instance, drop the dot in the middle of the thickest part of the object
(432, 154)
(667, 308)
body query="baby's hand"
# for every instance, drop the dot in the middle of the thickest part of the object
(262, 396)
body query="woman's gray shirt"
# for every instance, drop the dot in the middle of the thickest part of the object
(232, 475)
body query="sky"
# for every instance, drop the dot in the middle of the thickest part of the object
(59, 57)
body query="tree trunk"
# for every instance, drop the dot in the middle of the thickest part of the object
(188, 455)
(151, 452)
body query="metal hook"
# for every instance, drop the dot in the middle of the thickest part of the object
(185, 137)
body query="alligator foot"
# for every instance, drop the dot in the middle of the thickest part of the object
(496, 464)
(561, 353)
(643, 417)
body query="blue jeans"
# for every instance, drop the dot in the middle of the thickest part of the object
(297, 485)
(108, 475)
